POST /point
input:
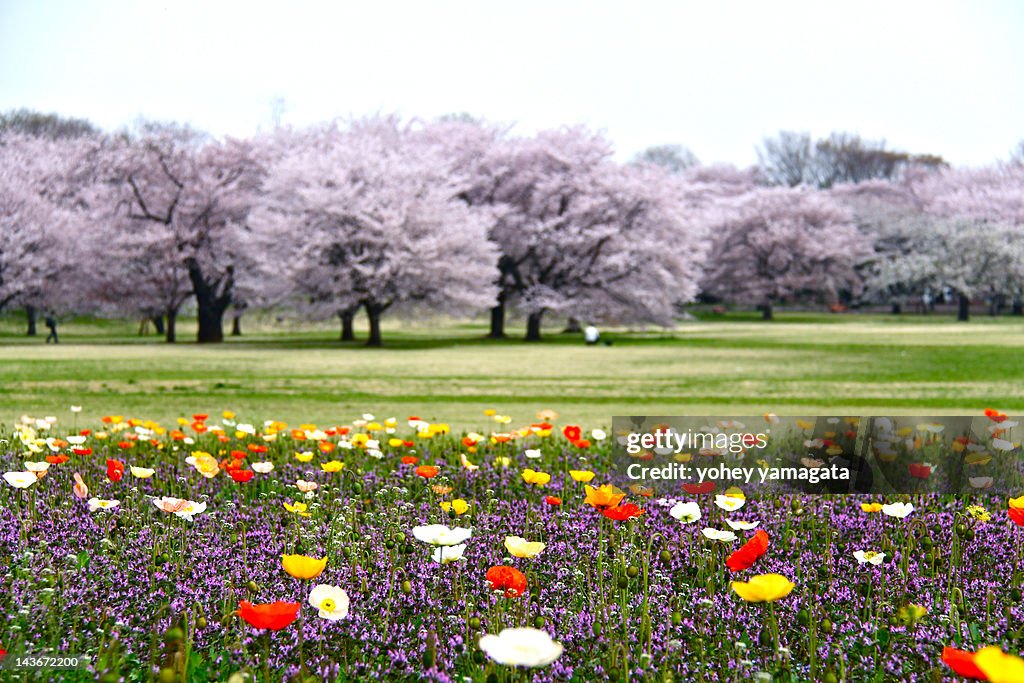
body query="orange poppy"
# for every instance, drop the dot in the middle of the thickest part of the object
(621, 513)
(995, 415)
(507, 579)
(427, 471)
(57, 459)
(553, 501)
(409, 460)
(275, 615)
(749, 553)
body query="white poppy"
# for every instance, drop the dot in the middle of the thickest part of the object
(1002, 445)
(37, 467)
(532, 452)
(899, 510)
(75, 440)
(741, 526)
(331, 601)
(729, 503)
(439, 534)
(76, 409)
(869, 557)
(718, 535)
(528, 647)
(981, 482)
(20, 480)
(263, 467)
(100, 504)
(598, 434)
(449, 553)
(687, 513)
(141, 472)
(185, 509)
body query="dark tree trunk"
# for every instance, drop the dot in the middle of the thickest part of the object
(897, 308)
(171, 332)
(158, 323)
(963, 307)
(533, 326)
(497, 321)
(212, 300)
(348, 328)
(1018, 307)
(767, 312)
(373, 312)
(31, 313)
(572, 326)
(236, 325)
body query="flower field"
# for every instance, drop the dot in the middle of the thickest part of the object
(225, 548)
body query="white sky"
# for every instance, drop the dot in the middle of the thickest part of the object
(941, 77)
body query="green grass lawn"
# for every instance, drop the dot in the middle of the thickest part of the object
(798, 364)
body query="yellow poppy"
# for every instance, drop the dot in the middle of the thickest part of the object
(764, 588)
(581, 475)
(303, 567)
(1017, 503)
(536, 478)
(998, 666)
(458, 505)
(332, 466)
(304, 456)
(520, 547)
(297, 508)
(871, 507)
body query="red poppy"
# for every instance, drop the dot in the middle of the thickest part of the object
(177, 435)
(115, 470)
(507, 579)
(275, 615)
(962, 662)
(995, 415)
(342, 431)
(199, 427)
(1017, 516)
(920, 470)
(427, 471)
(581, 443)
(407, 444)
(257, 448)
(200, 417)
(409, 460)
(572, 432)
(553, 501)
(468, 441)
(82, 451)
(85, 432)
(231, 464)
(57, 459)
(241, 476)
(623, 512)
(124, 445)
(238, 455)
(3, 653)
(697, 489)
(749, 553)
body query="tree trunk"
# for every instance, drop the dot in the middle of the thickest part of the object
(897, 308)
(30, 312)
(211, 324)
(572, 326)
(348, 328)
(963, 307)
(172, 319)
(497, 321)
(158, 323)
(373, 312)
(767, 313)
(533, 326)
(236, 325)
(1018, 307)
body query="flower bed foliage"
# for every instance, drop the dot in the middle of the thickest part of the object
(216, 549)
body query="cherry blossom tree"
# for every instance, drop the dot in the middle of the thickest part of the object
(582, 236)
(774, 244)
(378, 224)
(180, 198)
(37, 224)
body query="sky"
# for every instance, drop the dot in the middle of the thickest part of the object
(939, 77)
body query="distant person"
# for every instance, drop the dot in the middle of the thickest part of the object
(51, 324)
(591, 335)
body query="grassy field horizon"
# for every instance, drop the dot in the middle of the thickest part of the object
(801, 363)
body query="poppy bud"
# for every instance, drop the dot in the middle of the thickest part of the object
(623, 582)
(400, 537)
(830, 677)
(174, 635)
(539, 622)
(167, 675)
(803, 617)
(969, 536)
(201, 623)
(474, 623)
(827, 627)
(406, 587)
(597, 629)
(253, 586)
(665, 556)
(1015, 595)
(677, 618)
(632, 572)
(478, 657)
